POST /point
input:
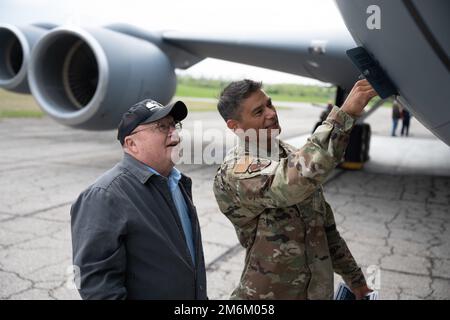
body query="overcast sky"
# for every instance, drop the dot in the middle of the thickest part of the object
(193, 15)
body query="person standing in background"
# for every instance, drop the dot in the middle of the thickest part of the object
(396, 115)
(406, 117)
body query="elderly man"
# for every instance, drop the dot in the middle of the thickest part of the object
(135, 231)
(272, 194)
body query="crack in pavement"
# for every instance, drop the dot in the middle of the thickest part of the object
(51, 292)
(399, 293)
(35, 237)
(430, 259)
(371, 196)
(217, 244)
(49, 265)
(32, 282)
(387, 238)
(228, 254)
(413, 274)
(32, 213)
(52, 220)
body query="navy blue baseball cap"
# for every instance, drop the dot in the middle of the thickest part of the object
(147, 111)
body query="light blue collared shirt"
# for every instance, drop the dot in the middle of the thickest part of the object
(180, 204)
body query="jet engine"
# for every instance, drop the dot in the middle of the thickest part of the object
(87, 78)
(15, 47)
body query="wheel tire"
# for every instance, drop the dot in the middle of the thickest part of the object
(359, 144)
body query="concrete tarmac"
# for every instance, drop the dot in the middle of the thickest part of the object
(394, 214)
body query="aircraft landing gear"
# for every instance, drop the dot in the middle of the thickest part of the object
(357, 152)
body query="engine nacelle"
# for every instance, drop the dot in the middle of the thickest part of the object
(15, 47)
(87, 78)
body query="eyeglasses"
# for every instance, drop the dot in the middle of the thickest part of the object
(162, 127)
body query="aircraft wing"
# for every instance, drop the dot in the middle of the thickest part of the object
(314, 55)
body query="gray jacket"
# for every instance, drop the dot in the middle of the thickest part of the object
(127, 238)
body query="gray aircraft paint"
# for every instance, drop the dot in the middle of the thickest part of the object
(408, 55)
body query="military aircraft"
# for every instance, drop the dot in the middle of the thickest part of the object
(87, 77)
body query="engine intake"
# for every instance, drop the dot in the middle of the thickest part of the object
(15, 47)
(87, 78)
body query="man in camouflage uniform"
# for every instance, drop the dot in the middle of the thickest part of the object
(276, 202)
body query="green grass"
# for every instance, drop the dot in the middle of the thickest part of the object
(387, 103)
(184, 90)
(197, 92)
(306, 98)
(15, 105)
(206, 106)
(21, 113)
(198, 106)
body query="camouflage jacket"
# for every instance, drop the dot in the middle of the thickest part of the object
(282, 219)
